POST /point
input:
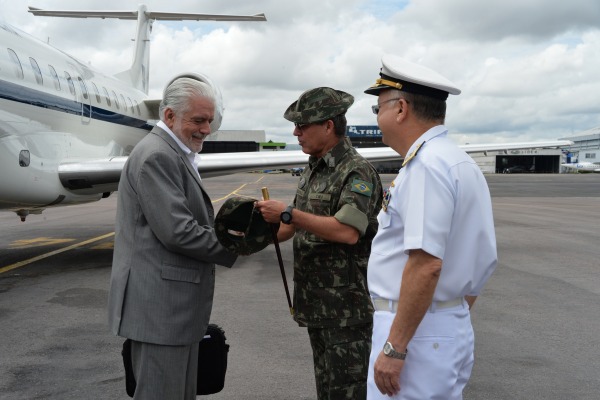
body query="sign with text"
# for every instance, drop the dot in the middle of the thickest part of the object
(363, 131)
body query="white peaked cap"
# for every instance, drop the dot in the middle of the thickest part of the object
(398, 73)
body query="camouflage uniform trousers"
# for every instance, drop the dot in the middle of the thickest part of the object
(341, 361)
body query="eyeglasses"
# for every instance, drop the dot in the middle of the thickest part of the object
(376, 107)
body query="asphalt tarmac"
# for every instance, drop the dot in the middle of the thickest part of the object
(537, 323)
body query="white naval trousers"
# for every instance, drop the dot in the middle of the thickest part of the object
(440, 355)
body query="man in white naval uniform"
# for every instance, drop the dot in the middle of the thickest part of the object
(435, 247)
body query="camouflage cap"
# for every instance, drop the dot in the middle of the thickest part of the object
(240, 228)
(318, 104)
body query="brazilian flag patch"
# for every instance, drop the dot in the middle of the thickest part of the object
(362, 187)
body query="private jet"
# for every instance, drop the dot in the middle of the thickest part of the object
(66, 128)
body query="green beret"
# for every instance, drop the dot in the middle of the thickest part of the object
(241, 228)
(318, 104)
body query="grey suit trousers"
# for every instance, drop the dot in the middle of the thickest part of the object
(164, 372)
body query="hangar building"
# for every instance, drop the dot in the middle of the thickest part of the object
(586, 146)
(512, 161)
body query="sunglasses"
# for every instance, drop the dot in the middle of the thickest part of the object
(301, 127)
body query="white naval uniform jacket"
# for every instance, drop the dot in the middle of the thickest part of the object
(440, 203)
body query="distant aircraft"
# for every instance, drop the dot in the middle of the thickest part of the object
(66, 129)
(583, 167)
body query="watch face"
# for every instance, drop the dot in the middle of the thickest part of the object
(286, 215)
(389, 351)
(387, 348)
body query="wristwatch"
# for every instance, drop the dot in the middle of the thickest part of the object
(389, 351)
(286, 215)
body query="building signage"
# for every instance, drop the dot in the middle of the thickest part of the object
(363, 131)
(524, 152)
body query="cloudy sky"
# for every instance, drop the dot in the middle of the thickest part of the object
(528, 69)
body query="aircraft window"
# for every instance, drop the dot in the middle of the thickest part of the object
(106, 95)
(83, 88)
(70, 82)
(18, 67)
(98, 98)
(37, 71)
(130, 105)
(54, 77)
(115, 99)
(123, 102)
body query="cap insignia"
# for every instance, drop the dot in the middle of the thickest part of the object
(387, 82)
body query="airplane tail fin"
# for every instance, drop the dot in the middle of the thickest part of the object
(138, 74)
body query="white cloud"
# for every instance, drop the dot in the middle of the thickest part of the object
(527, 68)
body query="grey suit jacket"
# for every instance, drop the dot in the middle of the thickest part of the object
(163, 271)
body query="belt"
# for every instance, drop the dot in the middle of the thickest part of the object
(381, 304)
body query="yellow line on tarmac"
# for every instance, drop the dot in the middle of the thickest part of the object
(41, 257)
(37, 242)
(237, 190)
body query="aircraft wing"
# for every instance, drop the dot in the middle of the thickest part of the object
(93, 176)
(480, 148)
(164, 16)
(102, 175)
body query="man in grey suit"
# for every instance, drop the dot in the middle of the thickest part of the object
(163, 271)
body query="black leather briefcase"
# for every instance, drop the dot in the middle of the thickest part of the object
(212, 362)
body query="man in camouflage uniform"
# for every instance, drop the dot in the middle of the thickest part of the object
(333, 219)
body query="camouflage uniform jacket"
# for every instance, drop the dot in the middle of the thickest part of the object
(330, 285)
